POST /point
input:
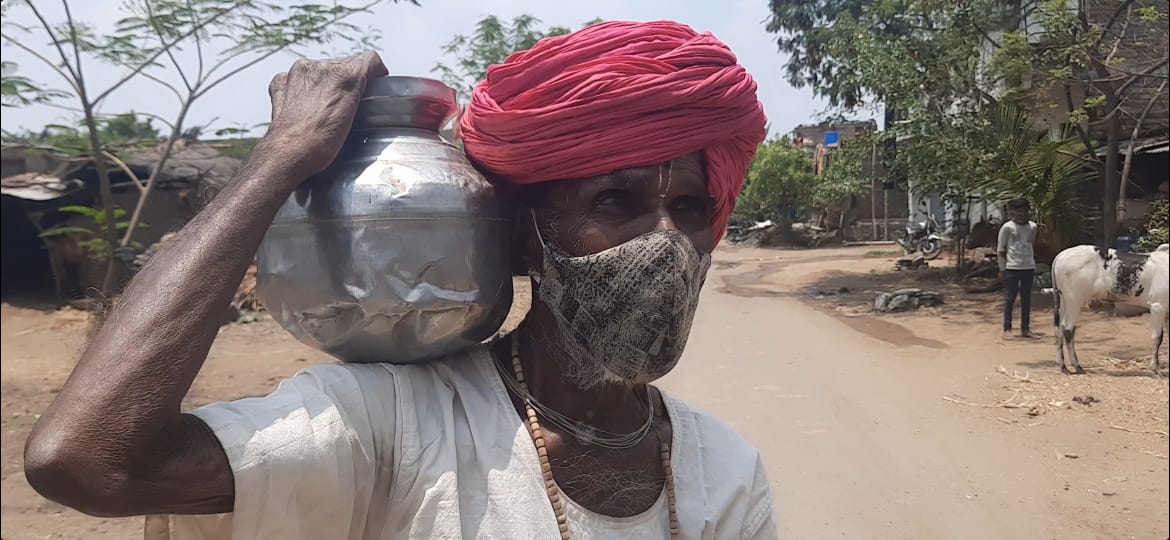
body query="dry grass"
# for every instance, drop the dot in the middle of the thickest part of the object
(245, 298)
(1136, 401)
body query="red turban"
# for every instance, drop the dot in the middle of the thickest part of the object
(613, 96)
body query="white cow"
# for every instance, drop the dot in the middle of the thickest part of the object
(1084, 273)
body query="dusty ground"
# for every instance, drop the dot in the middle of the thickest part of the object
(895, 426)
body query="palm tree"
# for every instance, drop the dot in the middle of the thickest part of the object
(1049, 172)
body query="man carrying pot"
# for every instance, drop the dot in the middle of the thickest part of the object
(625, 146)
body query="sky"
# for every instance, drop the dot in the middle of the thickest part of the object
(410, 44)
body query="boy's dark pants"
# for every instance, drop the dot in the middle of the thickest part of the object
(1018, 282)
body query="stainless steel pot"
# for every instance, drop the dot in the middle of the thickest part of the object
(399, 251)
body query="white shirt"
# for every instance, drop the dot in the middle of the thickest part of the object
(379, 451)
(1015, 240)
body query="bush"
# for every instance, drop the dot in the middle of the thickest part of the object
(778, 186)
(1156, 228)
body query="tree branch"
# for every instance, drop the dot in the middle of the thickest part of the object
(1122, 6)
(203, 90)
(146, 63)
(198, 40)
(170, 54)
(75, 110)
(73, 42)
(1127, 165)
(1125, 75)
(1147, 73)
(1120, 37)
(1086, 140)
(986, 37)
(165, 84)
(56, 43)
(1142, 74)
(126, 169)
(225, 60)
(152, 181)
(67, 76)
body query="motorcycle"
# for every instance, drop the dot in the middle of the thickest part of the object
(922, 237)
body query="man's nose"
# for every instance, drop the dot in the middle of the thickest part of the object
(665, 221)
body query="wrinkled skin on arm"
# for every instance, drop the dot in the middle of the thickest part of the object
(114, 442)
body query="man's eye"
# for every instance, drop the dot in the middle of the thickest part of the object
(612, 199)
(697, 205)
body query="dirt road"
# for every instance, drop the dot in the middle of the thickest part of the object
(846, 407)
(859, 444)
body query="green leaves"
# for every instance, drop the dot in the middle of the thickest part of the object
(17, 90)
(1051, 173)
(122, 129)
(1151, 14)
(1157, 227)
(1101, 49)
(491, 43)
(779, 183)
(64, 230)
(847, 174)
(200, 43)
(902, 51)
(89, 238)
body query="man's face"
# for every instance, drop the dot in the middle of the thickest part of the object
(590, 215)
(1021, 215)
(624, 299)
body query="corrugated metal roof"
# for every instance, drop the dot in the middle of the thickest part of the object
(1148, 145)
(39, 186)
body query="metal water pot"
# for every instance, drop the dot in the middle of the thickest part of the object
(398, 252)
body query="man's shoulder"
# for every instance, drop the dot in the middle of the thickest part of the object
(437, 369)
(381, 385)
(729, 469)
(719, 442)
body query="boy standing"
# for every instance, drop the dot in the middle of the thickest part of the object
(1017, 264)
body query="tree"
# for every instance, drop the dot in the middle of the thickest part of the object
(779, 184)
(848, 172)
(942, 68)
(491, 43)
(903, 53)
(1102, 58)
(917, 58)
(126, 129)
(1157, 227)
(1049, 174)
(199, 43)
(16, 90)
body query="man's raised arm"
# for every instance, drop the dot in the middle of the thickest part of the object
(114, 442)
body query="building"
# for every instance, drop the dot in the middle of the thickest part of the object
(831, 133)
(56, 268)
(1141, 44)
(878, 212)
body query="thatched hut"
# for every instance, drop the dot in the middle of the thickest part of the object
(58, 268)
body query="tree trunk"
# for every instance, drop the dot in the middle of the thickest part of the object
(885, 214)
(1111, 173)
(168, 148)
(873, 193)
(109, 231)
(841, 222)
(1123, 182)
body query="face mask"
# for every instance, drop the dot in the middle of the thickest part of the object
(624, 314)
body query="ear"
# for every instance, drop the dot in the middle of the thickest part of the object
(527, 253)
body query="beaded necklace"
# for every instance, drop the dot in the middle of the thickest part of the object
(550, 484)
